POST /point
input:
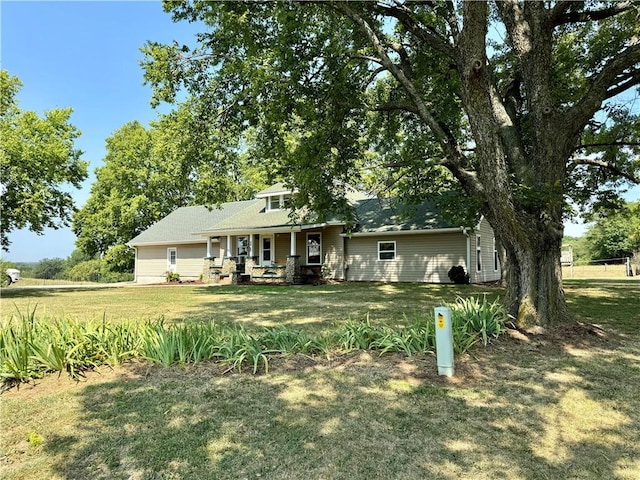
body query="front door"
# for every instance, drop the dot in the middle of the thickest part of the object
(266, 249)
(172, 259)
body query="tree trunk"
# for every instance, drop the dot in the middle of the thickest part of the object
(534, 293)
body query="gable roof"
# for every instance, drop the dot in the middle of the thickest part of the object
(254, 215)
(276, 189)
(372, 215)
(379, 215)
(181, 224)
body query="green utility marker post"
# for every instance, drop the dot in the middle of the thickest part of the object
(444, 341)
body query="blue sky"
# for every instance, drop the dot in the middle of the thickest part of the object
(85, 55)
(82, 55)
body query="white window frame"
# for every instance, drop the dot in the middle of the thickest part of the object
(246, 245)
(271, 200)
(319, 262)
(478, 253)
(394, 252)
(496, 263)
(264, 261)
(172, 267)
(279, 200)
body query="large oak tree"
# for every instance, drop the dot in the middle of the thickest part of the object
(516, 104)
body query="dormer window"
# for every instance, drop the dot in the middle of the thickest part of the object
(277, 197)
(278, 202)
(274, 203)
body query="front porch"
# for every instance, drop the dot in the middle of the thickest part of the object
(241, 270)
(264, 256)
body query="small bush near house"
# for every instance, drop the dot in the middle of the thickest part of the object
(172, 277)
(458, 275)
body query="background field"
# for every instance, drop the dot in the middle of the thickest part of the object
(559, 405)
(596, 271)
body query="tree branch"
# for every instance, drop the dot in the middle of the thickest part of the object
(632, 79)
(612, 167)
(517, 27)
(600, 84)
(395, 106)
(455, 158)
(560, 8)
(561, 16)
(608, 144)
(424, 33)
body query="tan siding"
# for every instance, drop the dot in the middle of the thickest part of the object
(152, 262)
(487, 274)
(333, 251)
(283, 247)
(419, 258)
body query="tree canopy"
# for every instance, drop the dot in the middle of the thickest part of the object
(520, 106)
(615, 234)
(149, 172)
(39, 163)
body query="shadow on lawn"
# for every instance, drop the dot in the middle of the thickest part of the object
(319, 307)
(526, 408)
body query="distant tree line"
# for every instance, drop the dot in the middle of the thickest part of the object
(77, 267)
(614, 235)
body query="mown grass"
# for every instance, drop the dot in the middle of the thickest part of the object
(561, 405)
(316, 308)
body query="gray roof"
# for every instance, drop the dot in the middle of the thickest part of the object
(254, 216)
(189, 224)
(183, 224)
(273, 189)
(381, 215)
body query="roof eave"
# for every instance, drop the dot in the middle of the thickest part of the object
(163, 242)
(430, 231)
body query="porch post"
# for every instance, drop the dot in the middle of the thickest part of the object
(292, 251)
(251, 245)
(229, 253)
(208, 247)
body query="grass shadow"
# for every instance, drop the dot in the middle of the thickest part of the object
(528, 409)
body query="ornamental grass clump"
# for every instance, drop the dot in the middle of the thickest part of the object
(478, 320)
(31, 347)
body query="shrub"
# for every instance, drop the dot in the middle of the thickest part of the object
(172, 277)
(458, 275)
(87, 271)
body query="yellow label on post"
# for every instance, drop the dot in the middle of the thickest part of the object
(440, 320)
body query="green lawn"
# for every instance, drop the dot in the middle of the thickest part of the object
(555, 406)
(315, 308)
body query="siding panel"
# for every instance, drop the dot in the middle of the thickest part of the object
(487, 274)
(419, 258)
(152, 262)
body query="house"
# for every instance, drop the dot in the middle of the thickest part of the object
(257, 240)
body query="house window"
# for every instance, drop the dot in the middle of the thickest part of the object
(478, 254)
(314, 248)
(278, 202)
(274, 203)
(266, 249)
(495, 255)
(172, 259)
(387, 250)
(242, 246)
